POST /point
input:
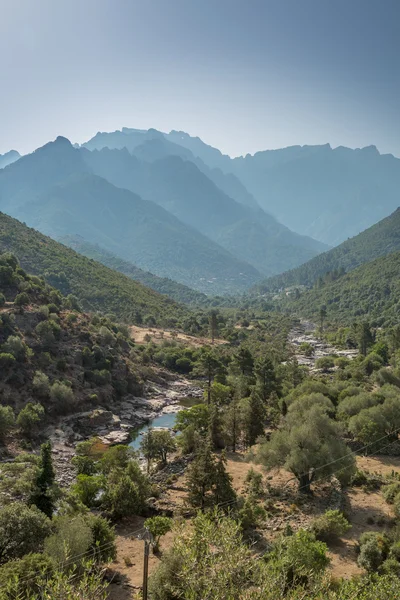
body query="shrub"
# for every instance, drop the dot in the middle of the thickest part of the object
(7, 420)
(330, 526)
(7, 360)
(23, 529)
(103, 544)
(2, 299)
(325, 363)
(21, 299)
(27, 573)
(254, 483)
(41, 385)
(72, 538)
(122, 497)
(374, 548)
(87, 488)
(390, 491)
(29, 418)
(62, 396)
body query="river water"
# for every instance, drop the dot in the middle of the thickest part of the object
(166, 420)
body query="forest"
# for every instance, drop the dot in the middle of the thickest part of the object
(280, 481)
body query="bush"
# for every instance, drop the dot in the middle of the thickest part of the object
(72, 538)
(21, 299)
(103, 544)
(7, 361)
(390, 491)
(7, 420)
(374, 549)
(27, 573)
(2, 299)
(325, 363)
(62, 396)
(16, 347)
(87, 488)
(23, 529)
(41, 385)
(29, 418)
(330, 526)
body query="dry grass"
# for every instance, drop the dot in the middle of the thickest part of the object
(159, 335)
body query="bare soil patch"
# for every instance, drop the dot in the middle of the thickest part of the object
(159, 335)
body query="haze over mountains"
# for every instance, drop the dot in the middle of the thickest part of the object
(171, 205)
(156, 208)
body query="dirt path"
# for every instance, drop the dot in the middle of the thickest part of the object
(141, 334)
(306, 333)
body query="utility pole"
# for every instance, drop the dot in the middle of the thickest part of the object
(148, 540)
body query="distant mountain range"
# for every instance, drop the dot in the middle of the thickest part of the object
(328, 194)
(379, 240)
(8, 158)
(153, 204)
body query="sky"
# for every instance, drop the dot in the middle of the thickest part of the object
(244, 75)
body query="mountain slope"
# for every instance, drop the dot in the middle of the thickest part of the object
(328, 194)
(97, 287)
(378, 240)
(162, 285)
(370, 292)
(177, 184)
(54, 191)
(8, 158)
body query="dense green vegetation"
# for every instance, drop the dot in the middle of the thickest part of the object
(379, 240)
(370, 292)
(97, 287)
(162, 285)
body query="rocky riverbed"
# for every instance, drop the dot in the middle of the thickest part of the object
(113, 424)
(306, 332)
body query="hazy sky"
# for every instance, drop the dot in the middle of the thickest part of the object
(244, 75)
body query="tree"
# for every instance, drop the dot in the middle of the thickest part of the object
(266, 377)
(244, 361)
(215, 427)
(43, 494)
(364, 336)
(158, 526)
(197, 416)
(122, 496)
(232, 424)
(207, 480)
(29, 418)
(162, 443)
(7, 420)
(213, 320)
(146, 447)
(253, 419)
(208, 364)
(41, 385)
(87, 488)
(309, 446)
(322, 317)
(23, 529)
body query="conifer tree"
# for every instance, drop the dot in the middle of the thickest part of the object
(43, 495)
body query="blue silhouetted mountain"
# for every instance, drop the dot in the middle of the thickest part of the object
(163, 172)
(328, 194)
(54, 190)
(8, 158)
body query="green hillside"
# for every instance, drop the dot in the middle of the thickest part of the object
(372, 291)
(97, 287)
(378, 240)
(162, 285)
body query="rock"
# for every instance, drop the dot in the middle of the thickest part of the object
(116, 437)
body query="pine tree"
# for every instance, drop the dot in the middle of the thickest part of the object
(266, 377)
(213, 319)
(215, 427)
(232, 425)
(223, 492)
(209, 365)
(244, 361)
(43, 495)
(253, 426)
(201, 477)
